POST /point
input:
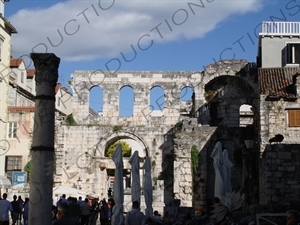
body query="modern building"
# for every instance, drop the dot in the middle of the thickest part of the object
(6, 30)
(279, 45)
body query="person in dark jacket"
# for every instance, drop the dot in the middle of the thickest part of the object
(63, 217)
(16, 210)
(103, 212)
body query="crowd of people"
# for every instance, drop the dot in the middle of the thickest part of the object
(18, 209)
(79, 211)
(73, 211)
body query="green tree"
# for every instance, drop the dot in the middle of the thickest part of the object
(194, 157)
(27, 169)
(126, 149)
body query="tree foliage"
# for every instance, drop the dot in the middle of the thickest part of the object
(194, 157)
(27, 169)
(126, 149)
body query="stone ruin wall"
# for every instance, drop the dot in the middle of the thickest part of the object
(279, 186)
(280, 162)
(89, 138)
(80, 153)
(141, 82)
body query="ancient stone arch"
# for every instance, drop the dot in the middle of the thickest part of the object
(159, 134)
(112, 137)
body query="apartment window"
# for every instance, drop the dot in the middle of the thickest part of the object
(293, 53)
(12, 130)
(294, 118)
(22, 77)
(12, 163)
(58, 101)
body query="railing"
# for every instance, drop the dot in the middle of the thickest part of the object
(280, 27)
(264, 215)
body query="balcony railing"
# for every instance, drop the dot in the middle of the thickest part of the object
(280, 28)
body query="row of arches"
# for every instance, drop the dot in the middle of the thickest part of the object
(127, 100)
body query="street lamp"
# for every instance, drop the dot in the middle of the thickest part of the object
(79, 183)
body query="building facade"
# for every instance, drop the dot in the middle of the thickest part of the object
(20, 120)
(247, 107)
(6, 30)
(279, 113)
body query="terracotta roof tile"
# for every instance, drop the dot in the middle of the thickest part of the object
(65, 89)
(277, 82)
(57, 87)
(15, 62)
(30, 73)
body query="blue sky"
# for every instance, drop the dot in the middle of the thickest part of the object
(189, 38)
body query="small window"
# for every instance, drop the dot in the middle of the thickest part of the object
(22, 77)
(293, 53)
(58, 101)
(294, 118)
(12, 163)
(12, 130)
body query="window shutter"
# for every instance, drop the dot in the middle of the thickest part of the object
(294, 118)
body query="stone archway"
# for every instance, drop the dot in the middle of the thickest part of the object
(110, 138)
(105, 163)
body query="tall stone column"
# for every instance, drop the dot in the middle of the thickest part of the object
(42, 150)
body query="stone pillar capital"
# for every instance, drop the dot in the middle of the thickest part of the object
(46, 65)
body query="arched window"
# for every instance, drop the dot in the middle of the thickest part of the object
(157, 98)
(187, 101)
(186, 94)
(126, 101)
(96, 99)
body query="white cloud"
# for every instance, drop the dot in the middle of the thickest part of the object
(107, 32)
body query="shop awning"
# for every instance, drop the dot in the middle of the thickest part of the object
(4, 182)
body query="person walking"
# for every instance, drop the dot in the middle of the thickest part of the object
(5, 206)
(103, 212)
(85, 212)
(21, 202)
(74, 209)
(25, 211)
(16, 210)
(135, 216)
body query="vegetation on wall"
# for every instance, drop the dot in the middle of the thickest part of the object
(178, 125)
(126, 149)
(209, 95)
(117, 128)
(194, 158)
(153, 163)
(70, 121)
(154, 179)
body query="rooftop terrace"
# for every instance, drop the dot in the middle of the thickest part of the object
(280, 28)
